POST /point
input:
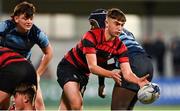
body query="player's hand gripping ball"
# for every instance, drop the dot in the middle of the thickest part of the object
(148, 93)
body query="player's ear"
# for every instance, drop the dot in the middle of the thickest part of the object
(16, 19)
(25, 99)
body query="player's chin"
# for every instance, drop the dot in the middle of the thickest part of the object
(27, 28)
(117, 34)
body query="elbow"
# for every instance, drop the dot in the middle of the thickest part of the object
(92, 68)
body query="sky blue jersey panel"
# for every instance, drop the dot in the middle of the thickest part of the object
(129, 40)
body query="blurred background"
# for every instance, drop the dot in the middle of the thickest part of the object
(155, 24)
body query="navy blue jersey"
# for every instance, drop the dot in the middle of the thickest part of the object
(129, 40)
(21, 43)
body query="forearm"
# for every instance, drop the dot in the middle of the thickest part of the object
(131, 77)
(100, 71)
(128, 74)
(43, 64)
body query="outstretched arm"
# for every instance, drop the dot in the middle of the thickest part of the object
(95, 69)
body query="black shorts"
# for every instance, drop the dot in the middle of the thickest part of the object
(16, 73)
(67, 72)
(141, 65)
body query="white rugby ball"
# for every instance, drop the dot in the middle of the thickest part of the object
(148, 93)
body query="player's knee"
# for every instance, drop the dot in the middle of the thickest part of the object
(76, 105)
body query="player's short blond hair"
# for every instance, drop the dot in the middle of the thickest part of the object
(117, 14)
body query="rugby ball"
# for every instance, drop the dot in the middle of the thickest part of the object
(148, 93)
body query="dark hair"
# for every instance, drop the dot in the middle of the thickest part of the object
(97, 17)
(117, 14)
(26, 89)
(24, 8)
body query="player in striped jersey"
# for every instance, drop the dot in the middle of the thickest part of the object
(124, 97)
(14, 69)
(95, 48)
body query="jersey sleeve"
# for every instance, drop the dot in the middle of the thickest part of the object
(3, 26)
(89, 43)
(42, 40)
(122, 53)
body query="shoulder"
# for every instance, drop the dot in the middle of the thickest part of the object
(127, 33)
(7, 24)
(97, 31)
(35, 29)
(94, 34)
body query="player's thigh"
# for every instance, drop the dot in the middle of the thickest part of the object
(122, 98)
(122, 94)
(72, 93)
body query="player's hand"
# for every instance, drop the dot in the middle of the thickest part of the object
(101, 92)
(117, 76)
(143, 80)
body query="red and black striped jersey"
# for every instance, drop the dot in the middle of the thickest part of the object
(8, 56)
(93, 42)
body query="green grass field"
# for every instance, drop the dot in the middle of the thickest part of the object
(143, 108)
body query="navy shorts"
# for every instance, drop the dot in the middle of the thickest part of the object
(15, 73)
(67, 72)
(141, 65)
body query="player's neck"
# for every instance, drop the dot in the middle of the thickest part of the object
(108, 36)
(28, 107)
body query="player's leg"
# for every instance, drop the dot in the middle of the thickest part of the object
(39, 103)
(71, 97)
(4, 100)
(121, 98)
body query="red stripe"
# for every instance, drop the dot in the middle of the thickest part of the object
(7, 55)
(123, 59)
(78, 58)
(89, 50)
(122, 49)
(4, 48)
(13, 61)
(68, 58)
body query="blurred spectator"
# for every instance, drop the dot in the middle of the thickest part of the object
(48, 73)
(159, 48)
(148, 45)
(175, 47)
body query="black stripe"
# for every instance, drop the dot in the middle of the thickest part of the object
(5, 51)
(87, 43)
(119, 45)
(73, 57)
(102, 33)
(94, 36)
(124, 54)
(80, 53)
(82, 70)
